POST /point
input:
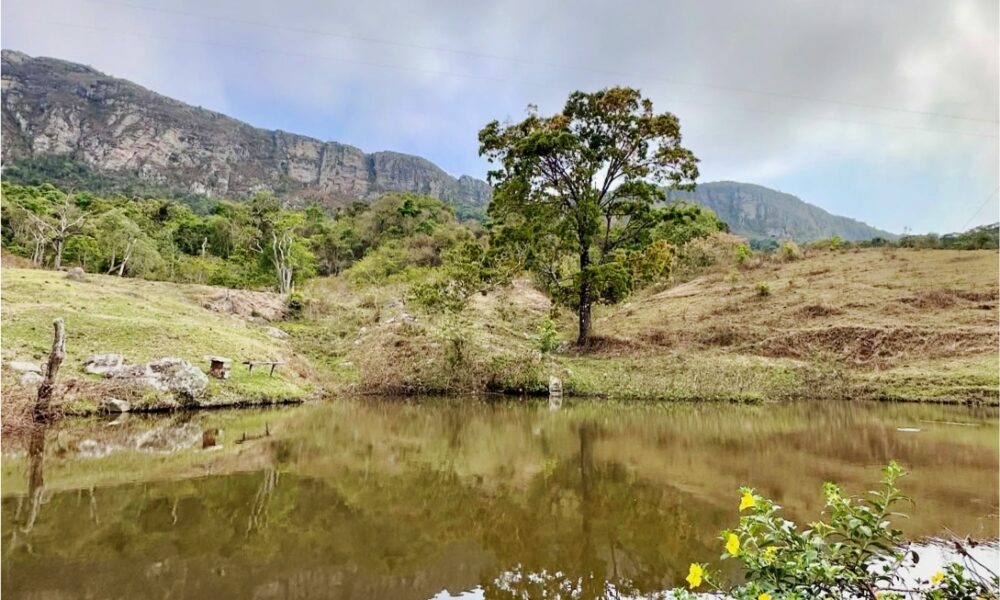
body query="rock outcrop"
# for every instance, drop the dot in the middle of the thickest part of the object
(54, 107)
(101, 364)
(174, 375)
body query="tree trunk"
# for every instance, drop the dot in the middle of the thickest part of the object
(58, 244)
(56, 357)
(583, 310)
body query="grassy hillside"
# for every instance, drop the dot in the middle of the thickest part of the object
(915, 325)
(906, 325)
(143, 321)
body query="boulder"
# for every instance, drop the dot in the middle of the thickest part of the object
(76, 274)
(31, 379)
(114, 405)
(23, 366)
(276, 333)
(101, 364)
(166, 375)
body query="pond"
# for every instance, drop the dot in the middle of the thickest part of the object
(441, 498)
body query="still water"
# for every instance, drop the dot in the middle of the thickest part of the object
(442, 498)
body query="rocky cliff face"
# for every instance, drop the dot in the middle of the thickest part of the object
(54, 107)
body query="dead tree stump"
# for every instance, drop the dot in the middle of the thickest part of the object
(56, 356)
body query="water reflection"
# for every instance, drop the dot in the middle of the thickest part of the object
(400, 500)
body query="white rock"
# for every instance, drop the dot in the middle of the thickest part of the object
(166, 374)
(114, 405)
(276, 333)
(31, 379)
(23, 366)
(100, 364)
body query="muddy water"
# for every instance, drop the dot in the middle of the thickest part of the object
(396, 499)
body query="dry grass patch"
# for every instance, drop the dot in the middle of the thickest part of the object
(879, 347)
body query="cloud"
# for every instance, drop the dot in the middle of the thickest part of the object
(768, 91)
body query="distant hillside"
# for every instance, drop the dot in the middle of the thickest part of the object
(54, 108)
(758, 212)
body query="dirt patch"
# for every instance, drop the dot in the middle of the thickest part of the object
(976, 296)
(725, 335)
(660, 338)
(16, 262)
(812, 311)
(946, 298)
(868, 346)
(246, 304)
(608, 346)
(936, 299)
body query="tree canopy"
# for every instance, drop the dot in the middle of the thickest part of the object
(576, 194)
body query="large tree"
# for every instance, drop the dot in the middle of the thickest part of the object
(584, 183)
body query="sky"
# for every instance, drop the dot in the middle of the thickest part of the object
(886, 111)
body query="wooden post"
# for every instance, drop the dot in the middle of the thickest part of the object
(56, 357)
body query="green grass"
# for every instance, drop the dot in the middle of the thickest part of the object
(888, 324)
(143, 321)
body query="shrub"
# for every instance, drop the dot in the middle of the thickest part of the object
(295, 304)
(743, 254)
(547, 338)
(789, 251)
(702, 253)
(763, 289)
(855, 553)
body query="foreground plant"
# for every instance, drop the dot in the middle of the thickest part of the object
(855, 553)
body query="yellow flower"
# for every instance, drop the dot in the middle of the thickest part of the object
(747, 501)
(764, 596)
(733, 544)
(694, 575)
(937, 577)
(769, 553)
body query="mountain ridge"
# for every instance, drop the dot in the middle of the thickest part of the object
(763, 213)
(53, 107)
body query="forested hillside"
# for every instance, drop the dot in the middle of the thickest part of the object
(761, 213)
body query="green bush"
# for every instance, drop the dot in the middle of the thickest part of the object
(763, 289)
(547, 338)
(295, 304)
(855, 553)
(743, 254)
(789, 251)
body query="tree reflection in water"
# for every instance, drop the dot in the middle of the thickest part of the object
(396, 501)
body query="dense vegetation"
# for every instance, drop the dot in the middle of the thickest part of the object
(260, 244)
(257, 244)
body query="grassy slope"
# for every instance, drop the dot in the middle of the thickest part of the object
(902, 324)
(142, 320)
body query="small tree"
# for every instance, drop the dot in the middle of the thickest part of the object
(583, 183)
(64, 219)
(282, 239)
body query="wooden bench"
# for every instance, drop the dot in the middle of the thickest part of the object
(256, 363)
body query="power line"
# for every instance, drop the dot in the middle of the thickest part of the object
(981, 207)
(463, 52)
(245, 48)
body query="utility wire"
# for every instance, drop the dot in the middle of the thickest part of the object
(245, 48)
(981, 207)
(470, 53)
